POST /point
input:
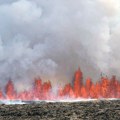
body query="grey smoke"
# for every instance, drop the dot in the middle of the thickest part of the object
(52, 38)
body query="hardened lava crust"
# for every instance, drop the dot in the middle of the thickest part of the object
(79, 110)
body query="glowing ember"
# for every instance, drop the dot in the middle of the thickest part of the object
(105, 88)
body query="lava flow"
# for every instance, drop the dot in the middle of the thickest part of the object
(105, 88)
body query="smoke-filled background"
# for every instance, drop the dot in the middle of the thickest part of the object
(52, 38)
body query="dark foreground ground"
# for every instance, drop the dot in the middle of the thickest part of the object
(91, 110)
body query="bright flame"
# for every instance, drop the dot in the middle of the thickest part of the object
(105, 88)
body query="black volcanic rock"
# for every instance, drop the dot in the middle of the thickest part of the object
(89, 110)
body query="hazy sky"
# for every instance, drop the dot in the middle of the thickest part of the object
(52, 38)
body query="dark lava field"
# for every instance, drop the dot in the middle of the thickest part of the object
(83, 110)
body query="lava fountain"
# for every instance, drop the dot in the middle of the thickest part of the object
(105, 88)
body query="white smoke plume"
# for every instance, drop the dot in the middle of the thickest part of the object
(52, 38)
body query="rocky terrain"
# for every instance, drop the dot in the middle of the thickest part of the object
(85, 110)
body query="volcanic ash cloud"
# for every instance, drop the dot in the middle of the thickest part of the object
(51, 39)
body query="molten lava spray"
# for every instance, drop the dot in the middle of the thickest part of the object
(105, 88)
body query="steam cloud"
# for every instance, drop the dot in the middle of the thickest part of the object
(52, 38)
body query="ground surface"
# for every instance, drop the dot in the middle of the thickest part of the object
(90, 110)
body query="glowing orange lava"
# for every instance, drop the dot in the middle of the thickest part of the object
(105, 88)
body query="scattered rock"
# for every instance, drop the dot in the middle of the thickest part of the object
(89, 110)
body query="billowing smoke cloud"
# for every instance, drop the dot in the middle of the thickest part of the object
(52, 38)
